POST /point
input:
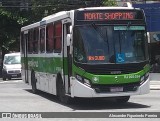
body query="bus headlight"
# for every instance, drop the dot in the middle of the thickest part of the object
(83, 80)
(79, 78)
(87, 82)
(146, 75)
(144, 78)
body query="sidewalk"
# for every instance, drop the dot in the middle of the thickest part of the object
(155, 81)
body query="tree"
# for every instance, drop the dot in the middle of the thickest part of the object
(10, 25)
(109, 2)
(13, 18)
(41, 8)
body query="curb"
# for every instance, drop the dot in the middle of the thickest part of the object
(10, 81)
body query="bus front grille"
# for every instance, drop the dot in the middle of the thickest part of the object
(107, 88)
(109, 69)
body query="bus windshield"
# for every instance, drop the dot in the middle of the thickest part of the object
(110, 44)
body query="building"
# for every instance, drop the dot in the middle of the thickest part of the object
(152, 12)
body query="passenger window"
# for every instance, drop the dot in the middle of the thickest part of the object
(49, 38)
(35, 40)
(42, 40)
(58, 37)
(30, 41)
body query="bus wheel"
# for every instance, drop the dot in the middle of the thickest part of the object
(122, 99)
(61, 93)
(9, 78)
(33, 83)
(4, 78)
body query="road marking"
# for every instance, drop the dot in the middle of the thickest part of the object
(10, 81)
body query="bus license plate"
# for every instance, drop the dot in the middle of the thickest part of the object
(116, 89)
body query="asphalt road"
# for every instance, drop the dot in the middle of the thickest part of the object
(16, 96)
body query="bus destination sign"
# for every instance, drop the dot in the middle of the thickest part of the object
(108, 15)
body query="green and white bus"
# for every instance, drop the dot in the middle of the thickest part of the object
(88, 52)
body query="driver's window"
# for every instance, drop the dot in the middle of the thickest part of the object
(78, 46)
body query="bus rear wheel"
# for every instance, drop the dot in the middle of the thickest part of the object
(9, 78)
(61, 93)
(123, 99)
(4, 78)
(33, 83)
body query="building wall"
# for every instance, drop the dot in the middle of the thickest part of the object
(152, 13)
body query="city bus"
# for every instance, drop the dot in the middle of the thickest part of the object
(94, 52)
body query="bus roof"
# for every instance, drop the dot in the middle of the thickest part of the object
(106, 8)
(29, 26)
(66, 13)
(54, 15)
(81, 9)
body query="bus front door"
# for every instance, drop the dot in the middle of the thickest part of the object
(67, 61)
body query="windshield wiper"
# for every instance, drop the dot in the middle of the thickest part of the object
(100, 33)
(95, 28)
(128, 25)
(127, 29)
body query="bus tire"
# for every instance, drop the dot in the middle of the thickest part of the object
(4, 78)
(33, 83)
(9, 78)
(61, 92)
(123, 99)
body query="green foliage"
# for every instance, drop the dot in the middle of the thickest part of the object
(12, 19)
(109, 2)
(41, 8)
(10, 26)
(15, 17)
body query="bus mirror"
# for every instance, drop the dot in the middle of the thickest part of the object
(68, 39)
(148, 36)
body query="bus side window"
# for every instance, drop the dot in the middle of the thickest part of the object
(30, 40)
(35, 40)
(58, 37)
(42, 40)
(49, 38)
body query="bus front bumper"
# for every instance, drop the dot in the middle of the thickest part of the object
(80, 90)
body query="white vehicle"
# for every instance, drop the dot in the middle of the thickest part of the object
(11, 66)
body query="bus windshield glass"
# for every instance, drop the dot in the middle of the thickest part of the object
(110, 44)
